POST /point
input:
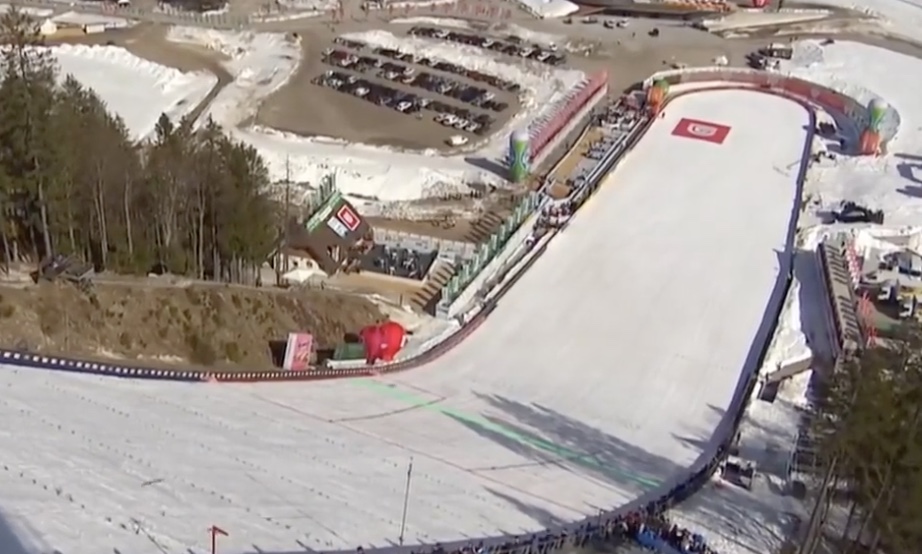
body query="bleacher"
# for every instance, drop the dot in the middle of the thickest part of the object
(399, 262)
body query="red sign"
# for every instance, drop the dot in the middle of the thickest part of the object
(349, 218)
(701, 130)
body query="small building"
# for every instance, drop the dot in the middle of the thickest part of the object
(336, 236)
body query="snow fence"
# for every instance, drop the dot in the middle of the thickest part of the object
(595, 528)
(813, 93)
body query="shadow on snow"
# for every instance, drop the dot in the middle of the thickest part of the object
(547, 437)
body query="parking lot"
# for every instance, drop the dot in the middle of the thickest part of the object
(452, 96)
(391, 98)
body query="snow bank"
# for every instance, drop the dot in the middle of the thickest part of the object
(138, 90)
(80, 19)
(26, 10)
(549, 9)
(748, 20)
(308, 5)
(523, 33)
(865, 72)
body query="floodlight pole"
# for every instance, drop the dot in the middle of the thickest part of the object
(406, 502)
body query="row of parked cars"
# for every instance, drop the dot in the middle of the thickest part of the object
(375, 93)
(474, 75)
(405, 102)
(511, 45)
(408, 75)
(447, 67)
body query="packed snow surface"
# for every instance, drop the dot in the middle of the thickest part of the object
(263, 62)
(739, 521)
(553, 409)
(137, 90)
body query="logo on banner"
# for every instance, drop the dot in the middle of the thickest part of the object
(298, 352)
(337, 226)
(349, 218)
(701, 130)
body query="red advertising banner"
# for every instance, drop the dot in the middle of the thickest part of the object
(298, 352)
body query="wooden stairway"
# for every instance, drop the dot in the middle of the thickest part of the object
(424, 300)
(485, 225)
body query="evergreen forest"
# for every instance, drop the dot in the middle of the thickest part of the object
(187, 200)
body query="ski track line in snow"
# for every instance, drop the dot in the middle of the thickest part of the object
(61, 493)
(173, 437)
(288, 481)
(211, 452)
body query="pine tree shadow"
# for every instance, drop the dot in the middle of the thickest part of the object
(547, 437)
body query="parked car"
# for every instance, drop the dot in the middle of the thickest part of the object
(852, 212)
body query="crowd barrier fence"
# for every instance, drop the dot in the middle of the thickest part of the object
(677, 489)
(826, 97)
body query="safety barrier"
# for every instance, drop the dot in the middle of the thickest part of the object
(813, 93)
(679, 488)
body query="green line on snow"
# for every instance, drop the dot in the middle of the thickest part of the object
(487, 425)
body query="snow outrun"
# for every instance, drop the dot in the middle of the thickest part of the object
(600, 376)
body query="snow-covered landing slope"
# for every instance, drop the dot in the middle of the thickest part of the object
(601, 375)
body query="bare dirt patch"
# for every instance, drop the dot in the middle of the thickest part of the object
(210, 326)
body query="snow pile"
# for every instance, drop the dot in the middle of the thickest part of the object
(548, 9)
(136, 89)
(308, 5)
(259, 62)
(743, 20)
(892, 182)
(524, 33)
(789, 343)
(449, 22)
(80, 19)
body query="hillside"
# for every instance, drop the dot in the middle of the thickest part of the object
(166, 324)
